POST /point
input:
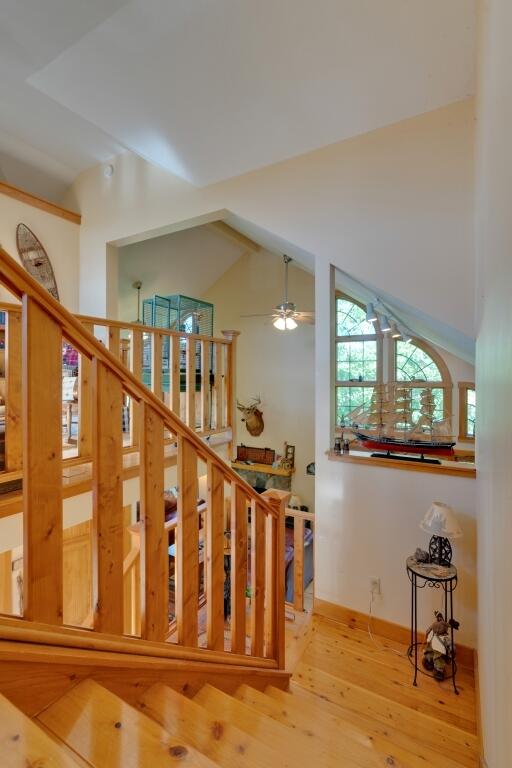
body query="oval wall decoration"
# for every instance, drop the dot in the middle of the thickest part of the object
(35, 259)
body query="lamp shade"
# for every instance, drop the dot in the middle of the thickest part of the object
(440, 520)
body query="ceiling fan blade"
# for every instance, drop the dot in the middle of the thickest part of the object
(305, 320)
(306, 314)
(265, 314)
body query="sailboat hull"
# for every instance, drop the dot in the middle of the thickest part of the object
(395, 445)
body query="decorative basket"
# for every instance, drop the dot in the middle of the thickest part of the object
(258, 455)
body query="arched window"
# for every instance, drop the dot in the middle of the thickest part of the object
(418, 366)
(366, 357)
(358, 360)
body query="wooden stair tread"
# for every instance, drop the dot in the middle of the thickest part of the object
(108, 733)
(211, 735)
(23, 743)
(387, 741)
(340, 742)
(336, 695)
(299, 750)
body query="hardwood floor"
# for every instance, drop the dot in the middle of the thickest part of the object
(351, 704)
(360, 689)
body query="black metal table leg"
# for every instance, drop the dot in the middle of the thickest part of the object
(415, 630)
(454, 668)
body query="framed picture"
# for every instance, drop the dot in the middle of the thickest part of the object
(290, 454)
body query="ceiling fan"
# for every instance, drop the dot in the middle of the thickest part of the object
(285, 316)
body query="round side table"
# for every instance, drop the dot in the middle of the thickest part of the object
(435, 576)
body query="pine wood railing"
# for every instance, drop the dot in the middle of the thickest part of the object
(193, 375)
(255, 634)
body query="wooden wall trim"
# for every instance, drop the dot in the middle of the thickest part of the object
(387, 629)
(453, 468)
(39, 202)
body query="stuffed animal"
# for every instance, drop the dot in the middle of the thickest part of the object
(438, 650)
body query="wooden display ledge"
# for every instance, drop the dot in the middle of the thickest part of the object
(457, 468)
(268, 469)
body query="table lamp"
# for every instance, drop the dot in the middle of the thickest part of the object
(441, 523)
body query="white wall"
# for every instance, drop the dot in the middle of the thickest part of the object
(186, 262)
(368, 518)
(494, 379)
(276, 365)
(392, 207)
(59, 237)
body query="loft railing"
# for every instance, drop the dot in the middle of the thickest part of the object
(193, 375)
(255, 549)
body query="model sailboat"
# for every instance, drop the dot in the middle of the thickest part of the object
(389, 424)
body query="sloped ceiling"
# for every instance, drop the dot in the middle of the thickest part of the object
(210, 90)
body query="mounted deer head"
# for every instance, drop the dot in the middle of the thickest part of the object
(253, 417)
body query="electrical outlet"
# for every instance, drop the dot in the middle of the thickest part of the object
(375, 585)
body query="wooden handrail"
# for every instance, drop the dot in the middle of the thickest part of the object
(121, 324)
(106, 381)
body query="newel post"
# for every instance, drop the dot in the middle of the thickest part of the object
(278, 500)
(232, 337)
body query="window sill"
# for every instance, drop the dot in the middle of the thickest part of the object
(454, 468)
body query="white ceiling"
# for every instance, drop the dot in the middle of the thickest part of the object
(210, 89)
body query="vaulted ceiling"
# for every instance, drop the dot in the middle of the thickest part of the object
(210, 89)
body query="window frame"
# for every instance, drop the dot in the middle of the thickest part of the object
(446, 383)
(378, 336)
(464, 386)
(386, 365)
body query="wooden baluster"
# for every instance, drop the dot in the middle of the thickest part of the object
(114, 340)
(215, 558)
(270, 579)
(156, 364)
(219, 386)
(6, 582)
(154, 537)
(174, 373)
(298, 563)
(205, 384)
(42, 465)
(230, 386)
(85, 402)
(277, 500)
(257, 579)
(238, 568)
(187, 556)
(190, 417)
(136, 369)
(13, 399)
(107, 500)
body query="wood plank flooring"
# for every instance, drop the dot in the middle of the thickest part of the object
(362, 688)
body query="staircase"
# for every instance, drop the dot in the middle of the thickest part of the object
(324, 719)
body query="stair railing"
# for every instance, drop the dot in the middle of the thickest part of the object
(193, 375)
(256, 633)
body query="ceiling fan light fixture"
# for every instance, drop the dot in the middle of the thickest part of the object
(290, 324)
(280, 323)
